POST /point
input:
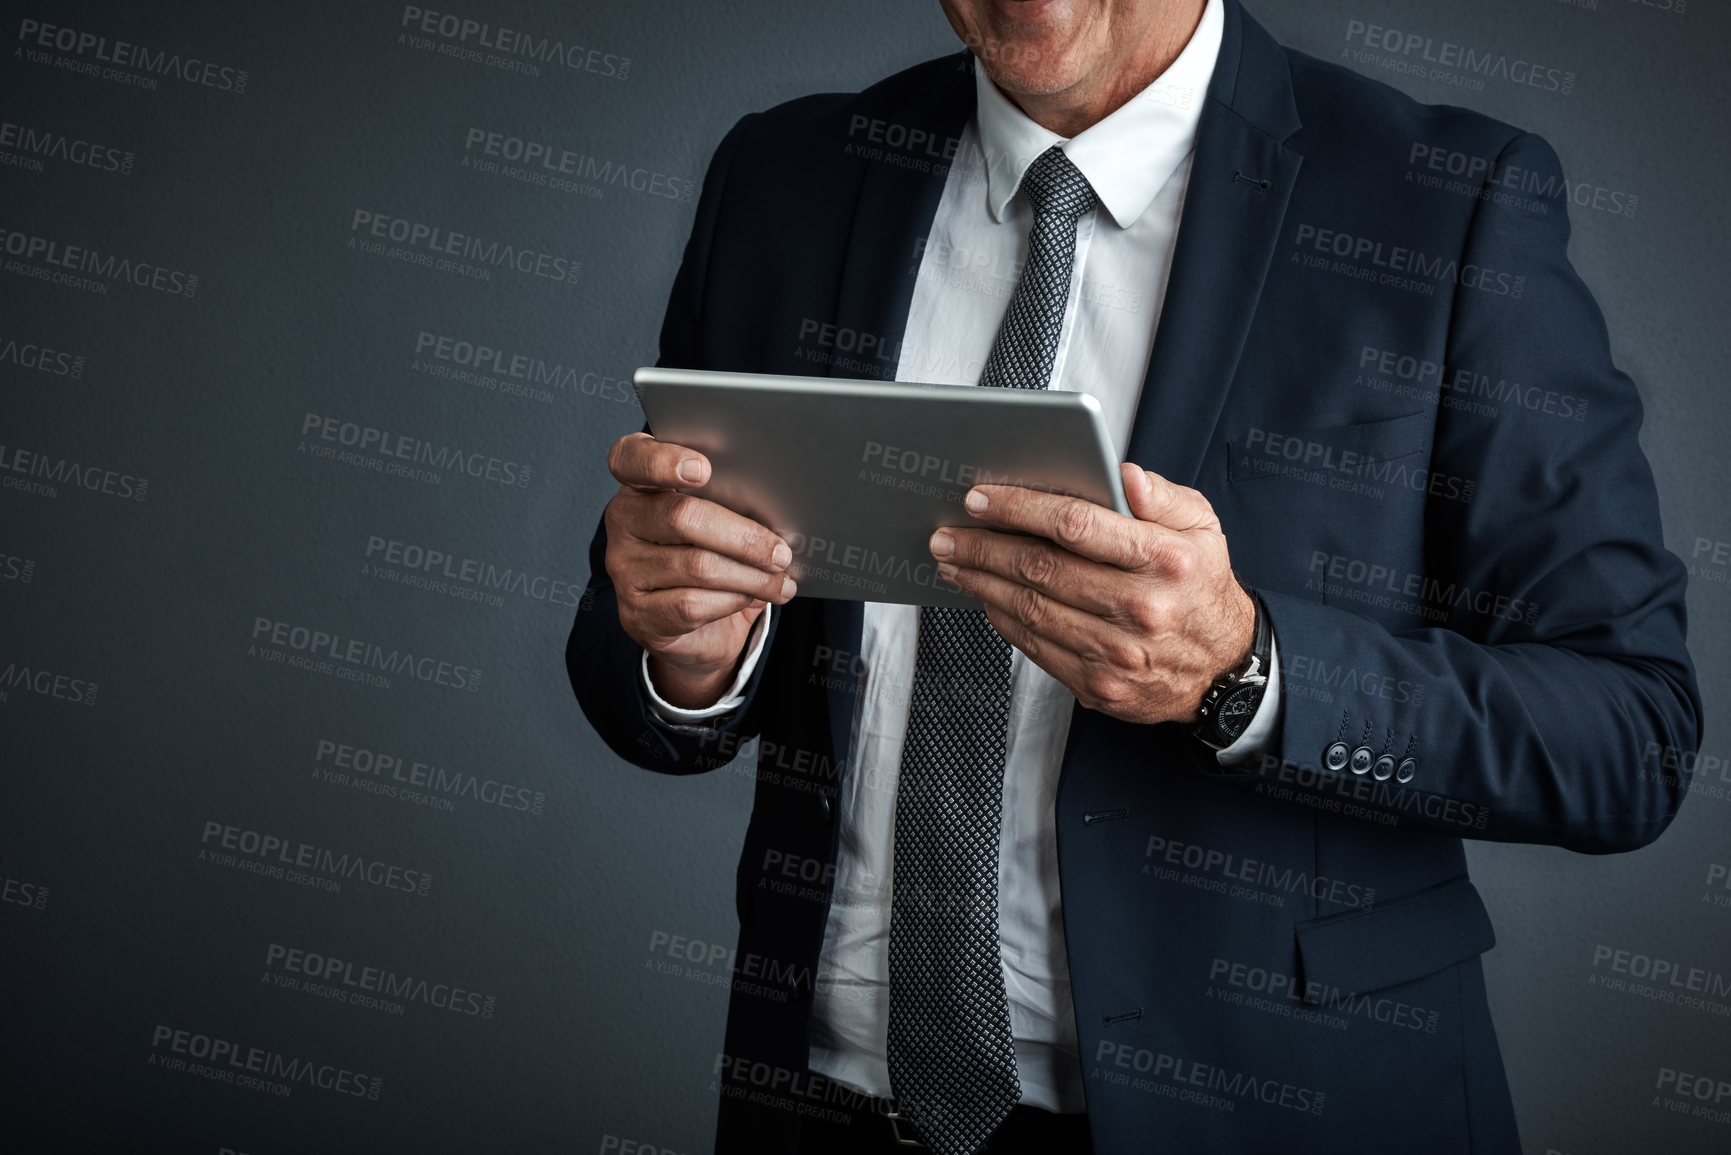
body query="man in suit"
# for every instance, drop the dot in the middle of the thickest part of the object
(1161, 847)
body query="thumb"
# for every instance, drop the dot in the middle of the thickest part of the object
(1153, 498)
(1140, 491)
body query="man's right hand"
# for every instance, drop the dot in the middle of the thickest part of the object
(692, 577)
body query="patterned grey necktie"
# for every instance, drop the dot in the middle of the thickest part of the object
(951, 1060)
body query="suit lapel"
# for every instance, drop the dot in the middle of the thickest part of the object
(894, 210)
(1226, 239)
(1240, 180)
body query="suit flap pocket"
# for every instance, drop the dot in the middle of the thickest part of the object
(1257, 453)
(1409, 938)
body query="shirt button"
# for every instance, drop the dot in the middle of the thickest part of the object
(1362, 758)
(821, 809)
(1336, 755)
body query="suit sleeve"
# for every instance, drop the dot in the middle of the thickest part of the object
(1535, 709)
(601, 659)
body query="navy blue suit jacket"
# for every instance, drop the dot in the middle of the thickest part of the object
(1377, 363)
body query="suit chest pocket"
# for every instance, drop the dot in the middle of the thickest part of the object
(1302, 503)
(1343, 459)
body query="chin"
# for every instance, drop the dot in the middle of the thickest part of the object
(1024, 70)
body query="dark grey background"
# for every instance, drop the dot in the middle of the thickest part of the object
(568, 918)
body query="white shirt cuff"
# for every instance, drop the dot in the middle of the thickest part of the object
(731, 700)
(1262, 723)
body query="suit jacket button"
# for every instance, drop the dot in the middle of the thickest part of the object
(1335, 756)
(1362, 758)
(1405, 771)
(1383, 768)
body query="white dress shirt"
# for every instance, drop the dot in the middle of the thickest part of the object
(1138, 161)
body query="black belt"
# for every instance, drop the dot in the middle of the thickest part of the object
(871, 1124)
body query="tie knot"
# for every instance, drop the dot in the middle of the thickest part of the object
(1055, 186)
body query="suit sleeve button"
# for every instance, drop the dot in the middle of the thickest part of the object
(1335, 756)
(1361, 759)
(1405, 771)
(1383, 769)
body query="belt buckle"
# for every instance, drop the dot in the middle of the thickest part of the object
(894, 1116)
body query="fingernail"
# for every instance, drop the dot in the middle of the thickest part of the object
(690, 471)
(781, 556)
(946, 571)
(975, 501)
(942, 544)
(788, 589)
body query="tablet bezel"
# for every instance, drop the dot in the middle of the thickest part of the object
(650, 381)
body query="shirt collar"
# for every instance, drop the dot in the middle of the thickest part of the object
(1130, 155)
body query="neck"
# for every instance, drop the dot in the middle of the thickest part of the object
(1117, 76)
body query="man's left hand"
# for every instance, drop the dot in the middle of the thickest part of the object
(1137, 616)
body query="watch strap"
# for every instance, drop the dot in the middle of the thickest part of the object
(1254, 666)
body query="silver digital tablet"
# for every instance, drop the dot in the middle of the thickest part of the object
(855, 475)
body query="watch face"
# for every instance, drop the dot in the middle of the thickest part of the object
(1236, 709)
